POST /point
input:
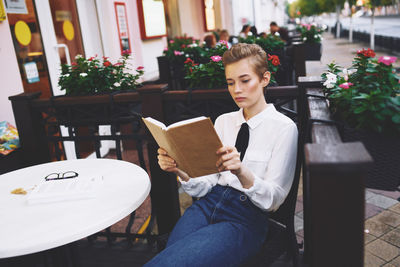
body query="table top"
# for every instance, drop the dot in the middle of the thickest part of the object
(26, 229)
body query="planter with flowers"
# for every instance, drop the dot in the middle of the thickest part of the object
(92, 76)
(365, 99)
(311, 37)
(212, 74)
(90, 86)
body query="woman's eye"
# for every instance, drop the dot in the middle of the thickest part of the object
(230, 84)
(245, 81)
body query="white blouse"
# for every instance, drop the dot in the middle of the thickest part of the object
(270, 156)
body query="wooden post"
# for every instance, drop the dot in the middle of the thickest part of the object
(164, 189)
(335, 212)
(299, 60)
(31, 132)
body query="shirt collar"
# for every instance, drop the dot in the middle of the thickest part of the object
(257, 119)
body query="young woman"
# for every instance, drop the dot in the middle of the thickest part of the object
(228, 224)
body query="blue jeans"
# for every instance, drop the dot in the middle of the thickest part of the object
(224, 228)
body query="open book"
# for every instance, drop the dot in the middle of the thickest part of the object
(192, 143)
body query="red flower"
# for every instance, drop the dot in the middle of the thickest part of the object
(117, 64)
(106, 63)
(140, 68)
(188, 60)
(274, 60)
(366, 53)
(183, 46)
(105, 58)
(74, 64)
(91, 58)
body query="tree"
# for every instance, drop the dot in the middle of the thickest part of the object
(330, 6)
(372, 4)
(309, 7)
(352, 3)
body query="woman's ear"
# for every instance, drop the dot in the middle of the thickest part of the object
(266, 78)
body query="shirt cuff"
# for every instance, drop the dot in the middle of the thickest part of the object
(257, 184)
(188, 184)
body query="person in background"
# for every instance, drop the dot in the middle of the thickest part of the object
(229, 223)
(210, 41)
(283, 33)
(224, 36)
(253, 30)
(245, 31)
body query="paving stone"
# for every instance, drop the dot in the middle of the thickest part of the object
(396, 261)
(299, 206)
(389, 217)
(372, 260)
(369, 194)
(300, 233)
(368, 238)
(396, 208)
(377, 228)
(298, 223)
(382, 249)
(389, 265)
(300, 214)
(393, 237)
(391, 194)
(371, 210)
(382, 201)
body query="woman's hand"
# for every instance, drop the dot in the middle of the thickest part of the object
(230, 161)
(168, 164)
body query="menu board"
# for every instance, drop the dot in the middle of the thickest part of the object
(152, 18)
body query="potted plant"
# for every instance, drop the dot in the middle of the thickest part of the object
(91, 76)
(212, 74)
(311, 37)
(365, 99)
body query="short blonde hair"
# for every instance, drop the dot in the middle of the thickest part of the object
(254, 52)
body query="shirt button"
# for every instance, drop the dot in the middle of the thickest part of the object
(243, 197)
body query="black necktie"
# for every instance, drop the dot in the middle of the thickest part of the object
(242, 140)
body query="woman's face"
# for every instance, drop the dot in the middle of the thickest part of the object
(245, 86)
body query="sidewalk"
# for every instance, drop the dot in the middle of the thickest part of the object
(382, 208)
(342, 52)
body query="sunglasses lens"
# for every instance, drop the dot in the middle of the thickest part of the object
(52, 176)
(69, 174)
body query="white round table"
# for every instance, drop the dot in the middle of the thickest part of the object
(26, 229)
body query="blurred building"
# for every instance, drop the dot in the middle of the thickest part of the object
(37, 35)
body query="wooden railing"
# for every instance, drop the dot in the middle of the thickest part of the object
(333, 184)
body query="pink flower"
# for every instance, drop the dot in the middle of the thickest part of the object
(178, 53)
(387, 60)
(126, 52)
(216, 58)
(171, 41)
(224, 43)
(165, 48)
(345, 85)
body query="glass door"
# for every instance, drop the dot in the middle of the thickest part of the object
(29, 47)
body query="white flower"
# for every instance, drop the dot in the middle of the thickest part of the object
(331, 77)
(304, 38)
(78, 56)
(315, 36)
(116, 84)
(327, 84)
(83, 74)
(66, 75)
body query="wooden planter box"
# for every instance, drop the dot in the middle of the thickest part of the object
(385, 171)
(312, 51)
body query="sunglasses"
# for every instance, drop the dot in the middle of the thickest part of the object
(61, 175)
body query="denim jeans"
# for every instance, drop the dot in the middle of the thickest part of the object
(224, 228)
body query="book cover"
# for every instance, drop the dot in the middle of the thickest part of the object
(192, 143)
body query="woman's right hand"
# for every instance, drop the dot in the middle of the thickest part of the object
(168, 164)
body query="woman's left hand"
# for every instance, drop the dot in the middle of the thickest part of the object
(229, 160)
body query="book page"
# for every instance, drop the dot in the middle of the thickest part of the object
(188, 121)
(156, 122)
